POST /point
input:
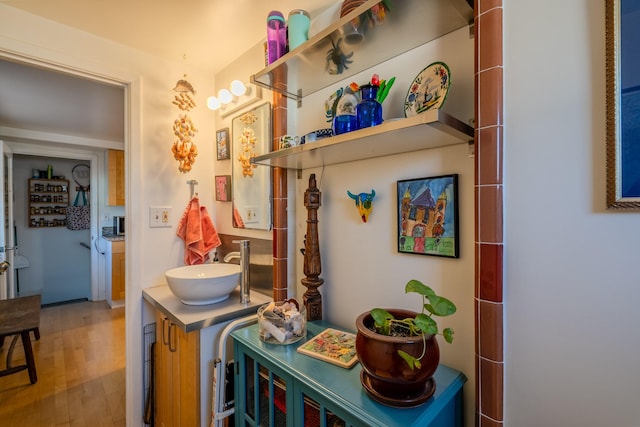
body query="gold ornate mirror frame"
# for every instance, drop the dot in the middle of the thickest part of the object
(623, 105)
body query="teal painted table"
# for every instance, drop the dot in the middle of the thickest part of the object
(277, 386)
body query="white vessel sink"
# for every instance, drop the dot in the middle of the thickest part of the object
(204, 283)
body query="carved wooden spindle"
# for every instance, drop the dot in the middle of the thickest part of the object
(312, 268)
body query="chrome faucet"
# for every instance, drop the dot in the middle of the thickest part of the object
(231, 255)
(243, 256)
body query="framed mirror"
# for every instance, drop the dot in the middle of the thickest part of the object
(251, 184)
(623, 103)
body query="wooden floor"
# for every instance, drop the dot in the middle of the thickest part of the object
(80, 360)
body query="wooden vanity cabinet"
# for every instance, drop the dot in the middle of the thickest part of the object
(177, 374)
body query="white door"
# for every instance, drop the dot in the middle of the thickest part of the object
(7, 280)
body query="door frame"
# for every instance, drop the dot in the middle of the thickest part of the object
(38, 149)
(15, 50)
(7, 280)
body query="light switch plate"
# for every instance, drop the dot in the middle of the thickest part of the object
(160, 216)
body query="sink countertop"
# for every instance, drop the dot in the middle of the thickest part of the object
(194, 317)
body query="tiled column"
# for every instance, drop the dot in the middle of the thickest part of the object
(280, 247)
(489, 214)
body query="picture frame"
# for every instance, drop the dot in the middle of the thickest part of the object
(223, 188)
(428, 216)
(223, 149)
(622, 73)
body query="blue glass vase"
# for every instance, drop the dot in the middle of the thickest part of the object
(344, 123)
(368, 111)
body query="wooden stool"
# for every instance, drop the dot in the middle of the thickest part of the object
(20, 316)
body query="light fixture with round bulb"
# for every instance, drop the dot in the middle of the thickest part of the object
(238, 88)
(213, 103)
(225, 96)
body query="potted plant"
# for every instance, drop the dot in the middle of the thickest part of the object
(398, 350)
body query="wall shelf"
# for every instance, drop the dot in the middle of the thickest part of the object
(431, 129)
(409, 24)
(48, 202)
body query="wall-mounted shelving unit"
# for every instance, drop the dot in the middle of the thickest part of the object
(409, 24)
(48, 201)
(431, 129)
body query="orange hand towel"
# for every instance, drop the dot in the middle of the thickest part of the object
(198, 233)
(237, 218)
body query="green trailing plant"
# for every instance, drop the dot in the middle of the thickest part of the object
(423, 324)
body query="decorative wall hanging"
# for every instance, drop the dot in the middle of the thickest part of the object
(428, 216)
(184, 149)
(223, 188)
(364, 203)
(428, 90)
(222, 144)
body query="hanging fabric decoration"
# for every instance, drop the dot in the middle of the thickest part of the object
(79, 215)
(184, 149)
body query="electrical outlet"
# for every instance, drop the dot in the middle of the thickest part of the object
(160, 216)
(251, 215)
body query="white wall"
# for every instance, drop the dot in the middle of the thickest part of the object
(152, 174)
(572, 341)
(361, 267)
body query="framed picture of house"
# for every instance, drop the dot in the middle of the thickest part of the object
(222, 144)
(223, 188)
(428, 216)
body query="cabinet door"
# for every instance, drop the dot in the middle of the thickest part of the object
(117, 276)
(163, 374)
(314, 410)
(263, 394)
(186, 376)
(115, 172)
(177, 375)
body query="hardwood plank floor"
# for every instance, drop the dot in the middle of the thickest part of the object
(80, 361)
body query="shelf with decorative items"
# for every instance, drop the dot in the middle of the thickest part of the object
(48, 202)
(399, 28)
(368, 35)
(430, 129)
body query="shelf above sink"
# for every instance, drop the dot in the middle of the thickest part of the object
(431, 129)
(409, 24)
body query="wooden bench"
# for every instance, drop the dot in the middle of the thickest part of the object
(20, 316)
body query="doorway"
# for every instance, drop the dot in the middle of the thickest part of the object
(131, 145)
(59, 259)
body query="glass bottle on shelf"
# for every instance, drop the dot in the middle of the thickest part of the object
(369, 110)
(276, 36)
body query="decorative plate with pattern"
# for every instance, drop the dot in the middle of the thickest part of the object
(428, 90)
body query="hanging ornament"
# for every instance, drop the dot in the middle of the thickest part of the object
(184, 149)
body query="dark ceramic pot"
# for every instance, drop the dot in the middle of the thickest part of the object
(385, 375)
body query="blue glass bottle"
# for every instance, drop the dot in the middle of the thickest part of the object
(369, 111)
